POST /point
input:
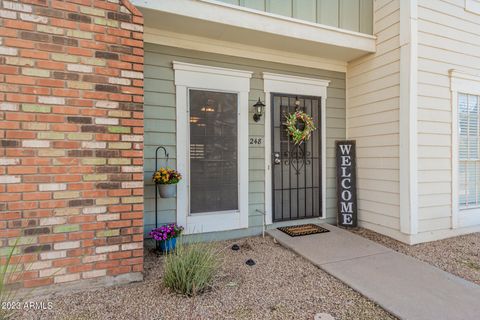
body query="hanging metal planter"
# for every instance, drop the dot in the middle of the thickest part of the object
(167, 190)
(166, 179)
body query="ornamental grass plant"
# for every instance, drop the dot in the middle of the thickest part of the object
(191, 268)
(10, 272)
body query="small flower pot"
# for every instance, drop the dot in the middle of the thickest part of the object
(167, 245)
(167, 190)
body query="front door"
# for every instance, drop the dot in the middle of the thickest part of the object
(296, 174)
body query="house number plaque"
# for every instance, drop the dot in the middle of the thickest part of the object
(346, 183)
(256, 141)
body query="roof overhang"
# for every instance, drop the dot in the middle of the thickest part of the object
(217, 21)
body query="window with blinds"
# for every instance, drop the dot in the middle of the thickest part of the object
(213, 151)
(469, 162)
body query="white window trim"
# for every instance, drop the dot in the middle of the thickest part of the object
(280, 83)
(192, 76)
(465, 83)
(472, 6)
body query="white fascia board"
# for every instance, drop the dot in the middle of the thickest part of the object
(295, 79)
(177, 65)
(262, 22)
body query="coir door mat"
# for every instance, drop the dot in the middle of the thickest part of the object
(303, 230)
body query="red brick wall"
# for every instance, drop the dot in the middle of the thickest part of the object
(71, 134)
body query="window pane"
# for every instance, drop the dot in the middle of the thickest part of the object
(471, 183)
(213, 151)
(463, 127)
(462, 103)
(472, 127)
(462, 184)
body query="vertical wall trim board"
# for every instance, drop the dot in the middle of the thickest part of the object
(347, 112)
(182, 152)
(408, 117)
(454, 151)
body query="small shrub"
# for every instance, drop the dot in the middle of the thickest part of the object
(191, 268)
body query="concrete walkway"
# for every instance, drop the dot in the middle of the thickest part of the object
(404, 286)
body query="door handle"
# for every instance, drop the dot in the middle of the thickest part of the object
(276, 158)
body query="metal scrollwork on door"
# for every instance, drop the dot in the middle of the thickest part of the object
(296, 179)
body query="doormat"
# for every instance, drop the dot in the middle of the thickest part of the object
(303, 230)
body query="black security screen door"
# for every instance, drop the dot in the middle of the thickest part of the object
(296, 174)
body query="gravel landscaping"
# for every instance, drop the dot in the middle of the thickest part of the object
(458, 255)
(281, 285)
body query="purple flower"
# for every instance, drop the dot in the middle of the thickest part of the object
(166, 232)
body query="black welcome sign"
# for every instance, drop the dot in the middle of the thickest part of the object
(346, 183)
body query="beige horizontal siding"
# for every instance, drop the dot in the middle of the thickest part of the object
(448, 38)
(373, 120)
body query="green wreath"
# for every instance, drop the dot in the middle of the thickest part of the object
(298, 136)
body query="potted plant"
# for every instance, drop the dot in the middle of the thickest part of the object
(166, 180)
(166, 236)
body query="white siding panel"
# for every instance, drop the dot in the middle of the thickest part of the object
(433, 224)
(428, 213)
(448, 39)
(435, 187)
(434, 152)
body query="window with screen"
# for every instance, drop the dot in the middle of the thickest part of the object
(468, 147)
(213, 151)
